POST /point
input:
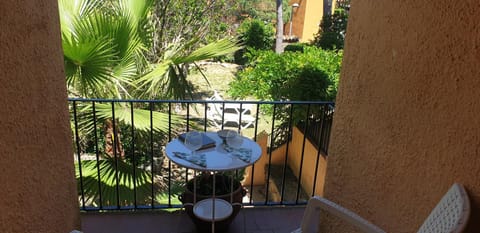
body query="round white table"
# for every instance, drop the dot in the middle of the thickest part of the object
(214, 159)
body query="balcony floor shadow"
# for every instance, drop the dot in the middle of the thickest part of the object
(249, 220)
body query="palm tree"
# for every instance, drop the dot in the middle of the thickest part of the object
(104, 45)
(279, 36)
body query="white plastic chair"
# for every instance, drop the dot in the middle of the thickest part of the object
(449, 216)
(221, 114)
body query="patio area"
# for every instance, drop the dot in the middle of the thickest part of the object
(249, 220)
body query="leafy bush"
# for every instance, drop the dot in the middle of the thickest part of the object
(254, 34)
(311, 75)
(307, 76)
(333, 28)
(296, 47)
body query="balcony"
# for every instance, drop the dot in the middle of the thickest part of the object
(125, 181)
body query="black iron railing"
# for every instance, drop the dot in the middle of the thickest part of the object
(317, 129)
(118, 147)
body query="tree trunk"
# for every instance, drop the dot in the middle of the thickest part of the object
(113, 137)
(327, 7)
(279, 37)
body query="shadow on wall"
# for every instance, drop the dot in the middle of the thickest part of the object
(311, 176)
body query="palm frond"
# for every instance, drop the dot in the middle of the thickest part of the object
(214, 49)
(160, 121)
(132, 181)
(87, 64)
(168, 79)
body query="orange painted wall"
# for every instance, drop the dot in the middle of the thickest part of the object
(407, 122)
(306, 19)
(313, 16)
(310, 155)
(37, 178)
(294, 160)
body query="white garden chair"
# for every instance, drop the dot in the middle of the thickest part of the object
(221, 114)
(449, 216)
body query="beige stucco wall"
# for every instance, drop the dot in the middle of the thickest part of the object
(38, 189)
(407, 119)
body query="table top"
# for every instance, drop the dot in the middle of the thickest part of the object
(216, 158)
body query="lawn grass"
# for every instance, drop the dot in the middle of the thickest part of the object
(219, 76)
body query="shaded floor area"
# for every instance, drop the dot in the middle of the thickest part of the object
(249, 220)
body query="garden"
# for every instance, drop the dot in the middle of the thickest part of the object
(175, 50)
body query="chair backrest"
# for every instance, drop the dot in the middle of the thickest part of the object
(451, 213)
(312, 215)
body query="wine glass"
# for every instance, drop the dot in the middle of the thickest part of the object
(234, 139)
(193, 141)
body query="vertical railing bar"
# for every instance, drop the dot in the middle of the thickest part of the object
(188, 129)
(324, 132)
(205, 117)
(303, 155)
(318, 156)
(115, 154)
(253, 166)
(240, 119)
(289, 135)
(322, 128)
(321, 134)
(134, 166)
(188, 116)
(97, 154)
(256, 122)
(223, 114)
(270, 153)
(77, 141)
(152, 169)
(169, 161)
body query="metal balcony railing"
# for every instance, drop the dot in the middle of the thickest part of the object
(119, 158)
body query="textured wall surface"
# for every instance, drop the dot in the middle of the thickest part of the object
(309, 163)
(407, 120)
(38, 189)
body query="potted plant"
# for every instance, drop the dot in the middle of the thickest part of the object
(223, 190)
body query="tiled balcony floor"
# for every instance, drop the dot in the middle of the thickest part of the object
(249, 220)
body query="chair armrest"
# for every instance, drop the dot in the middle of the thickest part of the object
(315, 203)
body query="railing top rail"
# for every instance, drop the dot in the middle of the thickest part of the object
(202, 101)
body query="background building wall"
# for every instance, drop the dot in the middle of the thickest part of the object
(37, 179)
(313, 16)
(298, 17)
(306, 19)
(407, 121)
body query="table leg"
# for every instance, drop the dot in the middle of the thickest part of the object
(213, 203)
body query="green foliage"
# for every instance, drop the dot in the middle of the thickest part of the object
(106, 184)
(203, 21)
(102, 45)
(296, 47)
(333, 28)
(311, 75)
(254, 34)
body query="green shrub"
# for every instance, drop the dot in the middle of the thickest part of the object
(296, 47)
(254, 34)
(311, 75)
(333, 28)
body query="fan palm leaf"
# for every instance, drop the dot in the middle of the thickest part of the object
(168, 78)
(103, 51)
(117, 178)
(159, 124)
